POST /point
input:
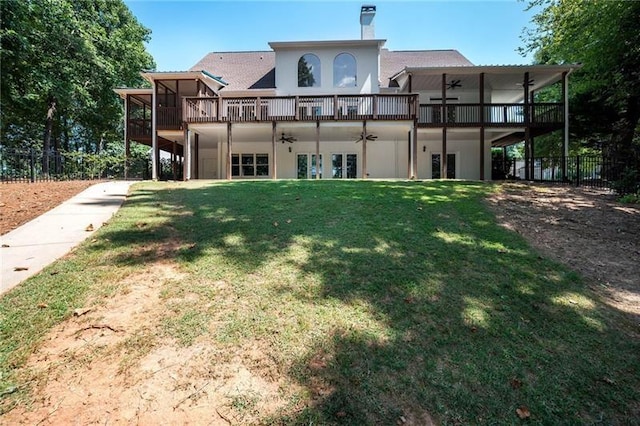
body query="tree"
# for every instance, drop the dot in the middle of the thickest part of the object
(305, 74)
(60, 61)
(604, 37)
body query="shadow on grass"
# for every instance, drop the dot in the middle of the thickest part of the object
(456, 320)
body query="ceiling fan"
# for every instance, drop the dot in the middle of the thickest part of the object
(453, 84)
(529, 83)
(368, 137)
(285, 138)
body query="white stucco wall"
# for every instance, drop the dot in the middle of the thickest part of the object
(467, 156)
(385, 158)
(287, 70)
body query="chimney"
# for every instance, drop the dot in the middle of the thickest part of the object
(367, 28)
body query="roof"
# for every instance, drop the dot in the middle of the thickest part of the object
(241, 70)
(393, 62)
(213, 81)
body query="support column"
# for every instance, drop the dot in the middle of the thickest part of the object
(197, 156)
(185, 151)
(528, 160)
(414, 149)
(187, 156)
(565, 128)
(154, 133)
(409, 155)
(318, 169)
(274, 160)
(229, 145)
(364, 149)
(127, 149)
(443, 156)
(174, 159)
(482, 118)
(482, 175)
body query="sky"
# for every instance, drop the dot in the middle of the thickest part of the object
(183, 32)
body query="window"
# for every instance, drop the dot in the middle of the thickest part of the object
(309, 71)
(344, 71)
(249, 165)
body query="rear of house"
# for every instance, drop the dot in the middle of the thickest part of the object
(341, 109)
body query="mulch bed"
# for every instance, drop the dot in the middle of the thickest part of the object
(22, 202)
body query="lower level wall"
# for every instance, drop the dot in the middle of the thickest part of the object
(386, 159)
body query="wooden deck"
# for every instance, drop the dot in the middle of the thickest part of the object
(350, 108)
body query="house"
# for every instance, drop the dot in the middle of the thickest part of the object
(342, 109)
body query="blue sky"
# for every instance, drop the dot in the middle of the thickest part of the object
(486, 32)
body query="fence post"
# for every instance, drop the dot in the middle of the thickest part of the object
(577, 170)
(32, 164)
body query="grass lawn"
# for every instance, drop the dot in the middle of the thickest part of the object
(370, 302)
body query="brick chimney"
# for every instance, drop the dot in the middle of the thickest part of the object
(367, 28)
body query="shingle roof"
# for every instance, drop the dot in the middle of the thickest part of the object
(392, 62)
(241, 70)
(256, 70)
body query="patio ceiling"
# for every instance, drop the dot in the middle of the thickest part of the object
(507, 78)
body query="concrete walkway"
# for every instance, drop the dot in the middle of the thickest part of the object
(28, 249)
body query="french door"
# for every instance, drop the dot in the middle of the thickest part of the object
(344, 166)
(436, 172)
(307, 166)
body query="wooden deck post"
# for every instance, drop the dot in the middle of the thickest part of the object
(174, 158)
(414, 149)
(184, 153)
(409, 155)
(229, 145)
(127, 146)
(364, 149)
(528, 161)
(274, 160)
(481, 94)
(443, 156)
(318, 149)
(154, 134)
(196, 147)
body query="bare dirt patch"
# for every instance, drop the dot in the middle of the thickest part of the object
(587, 230)
(111, 364)
(22, 202)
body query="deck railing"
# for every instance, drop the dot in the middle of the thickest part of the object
(169, 118)
(431, 115)
(300, 108)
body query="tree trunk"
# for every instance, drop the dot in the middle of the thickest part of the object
(621, 151)
(48, 128)
(65, 134)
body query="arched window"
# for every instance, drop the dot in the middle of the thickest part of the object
(345, 71)
(309, 71)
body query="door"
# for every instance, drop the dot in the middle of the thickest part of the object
(344, 166)
(208, 169)
(306, 166)
(435, 166)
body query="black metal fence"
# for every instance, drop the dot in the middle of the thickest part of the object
(583, 170)
(32, 165)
